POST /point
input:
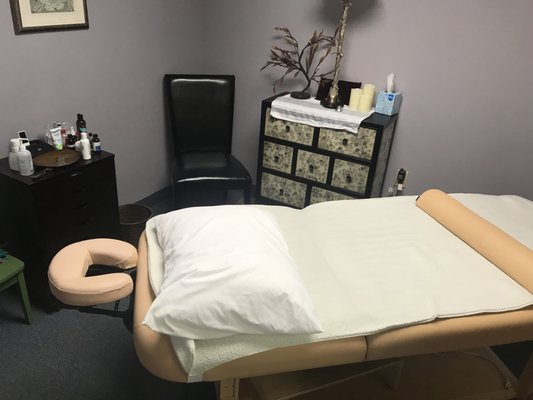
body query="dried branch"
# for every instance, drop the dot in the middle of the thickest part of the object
(301, 61)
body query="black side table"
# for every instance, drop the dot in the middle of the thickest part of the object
(38, 217)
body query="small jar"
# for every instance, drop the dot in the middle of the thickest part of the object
(71, 141)
(96, 145)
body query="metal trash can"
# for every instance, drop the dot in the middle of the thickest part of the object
(133, 219)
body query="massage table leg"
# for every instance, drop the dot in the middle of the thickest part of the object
(228, 389)
(525, 384)
(391, 373)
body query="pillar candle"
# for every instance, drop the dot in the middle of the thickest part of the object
(355, 95)
(369, 90)
(365, 103)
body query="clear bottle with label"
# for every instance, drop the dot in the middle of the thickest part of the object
(13, 160)
(24, 160)
(85, 146)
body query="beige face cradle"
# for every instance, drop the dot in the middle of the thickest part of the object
(67, 272)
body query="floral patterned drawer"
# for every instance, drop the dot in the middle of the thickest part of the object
(312, 166)
(278, 157)
(359, 145)
(350, 176)
(319, 195)
(293, 132)
(284, 190)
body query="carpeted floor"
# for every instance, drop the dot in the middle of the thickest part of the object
(73, 355)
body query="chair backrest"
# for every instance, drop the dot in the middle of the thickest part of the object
(200, 111)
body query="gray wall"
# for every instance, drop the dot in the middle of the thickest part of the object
(112, 73)
(465, 70)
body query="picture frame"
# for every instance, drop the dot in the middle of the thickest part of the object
(345, 88)
(48, 15)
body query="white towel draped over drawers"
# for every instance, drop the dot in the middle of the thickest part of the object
(310, 112)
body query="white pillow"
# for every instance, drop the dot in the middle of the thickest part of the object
(227, 272)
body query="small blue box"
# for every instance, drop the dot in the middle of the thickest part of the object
(388, 103)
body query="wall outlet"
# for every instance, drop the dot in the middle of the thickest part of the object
(401, 176)
(399, 184)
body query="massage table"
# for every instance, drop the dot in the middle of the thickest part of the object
(158, 354)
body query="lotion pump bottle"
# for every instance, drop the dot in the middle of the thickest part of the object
(24, 160)
(85, 146)
(13, 160)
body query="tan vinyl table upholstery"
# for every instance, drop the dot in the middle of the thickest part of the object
(156, 353)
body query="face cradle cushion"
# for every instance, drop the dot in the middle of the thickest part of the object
(66, 273)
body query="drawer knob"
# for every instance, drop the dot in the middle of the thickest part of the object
(276, 159)
(287, 128)
(344, 142)
(281, 192)
(349, 179)
(311, 168)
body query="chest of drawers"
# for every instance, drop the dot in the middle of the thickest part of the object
(301, 165)
(69, 204)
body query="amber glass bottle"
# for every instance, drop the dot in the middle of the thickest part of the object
(81, 126)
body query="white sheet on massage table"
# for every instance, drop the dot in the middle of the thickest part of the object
(372, 265)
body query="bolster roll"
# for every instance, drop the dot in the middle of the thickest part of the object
(501, 249)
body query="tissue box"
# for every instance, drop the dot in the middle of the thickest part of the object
(388, 103)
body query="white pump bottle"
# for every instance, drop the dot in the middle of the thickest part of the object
(24, 160)
(85, 147)
(13, 160)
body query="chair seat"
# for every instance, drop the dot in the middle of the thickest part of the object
(10, 268)
(11, 273)
(209, 166)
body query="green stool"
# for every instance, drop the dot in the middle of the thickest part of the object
(11, 272)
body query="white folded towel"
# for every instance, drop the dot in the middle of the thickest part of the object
(310, 112)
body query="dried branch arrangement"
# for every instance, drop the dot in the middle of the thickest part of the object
(301, 61)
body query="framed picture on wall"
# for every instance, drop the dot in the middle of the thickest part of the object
(48, 15)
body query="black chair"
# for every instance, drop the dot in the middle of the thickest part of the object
(199, 112)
